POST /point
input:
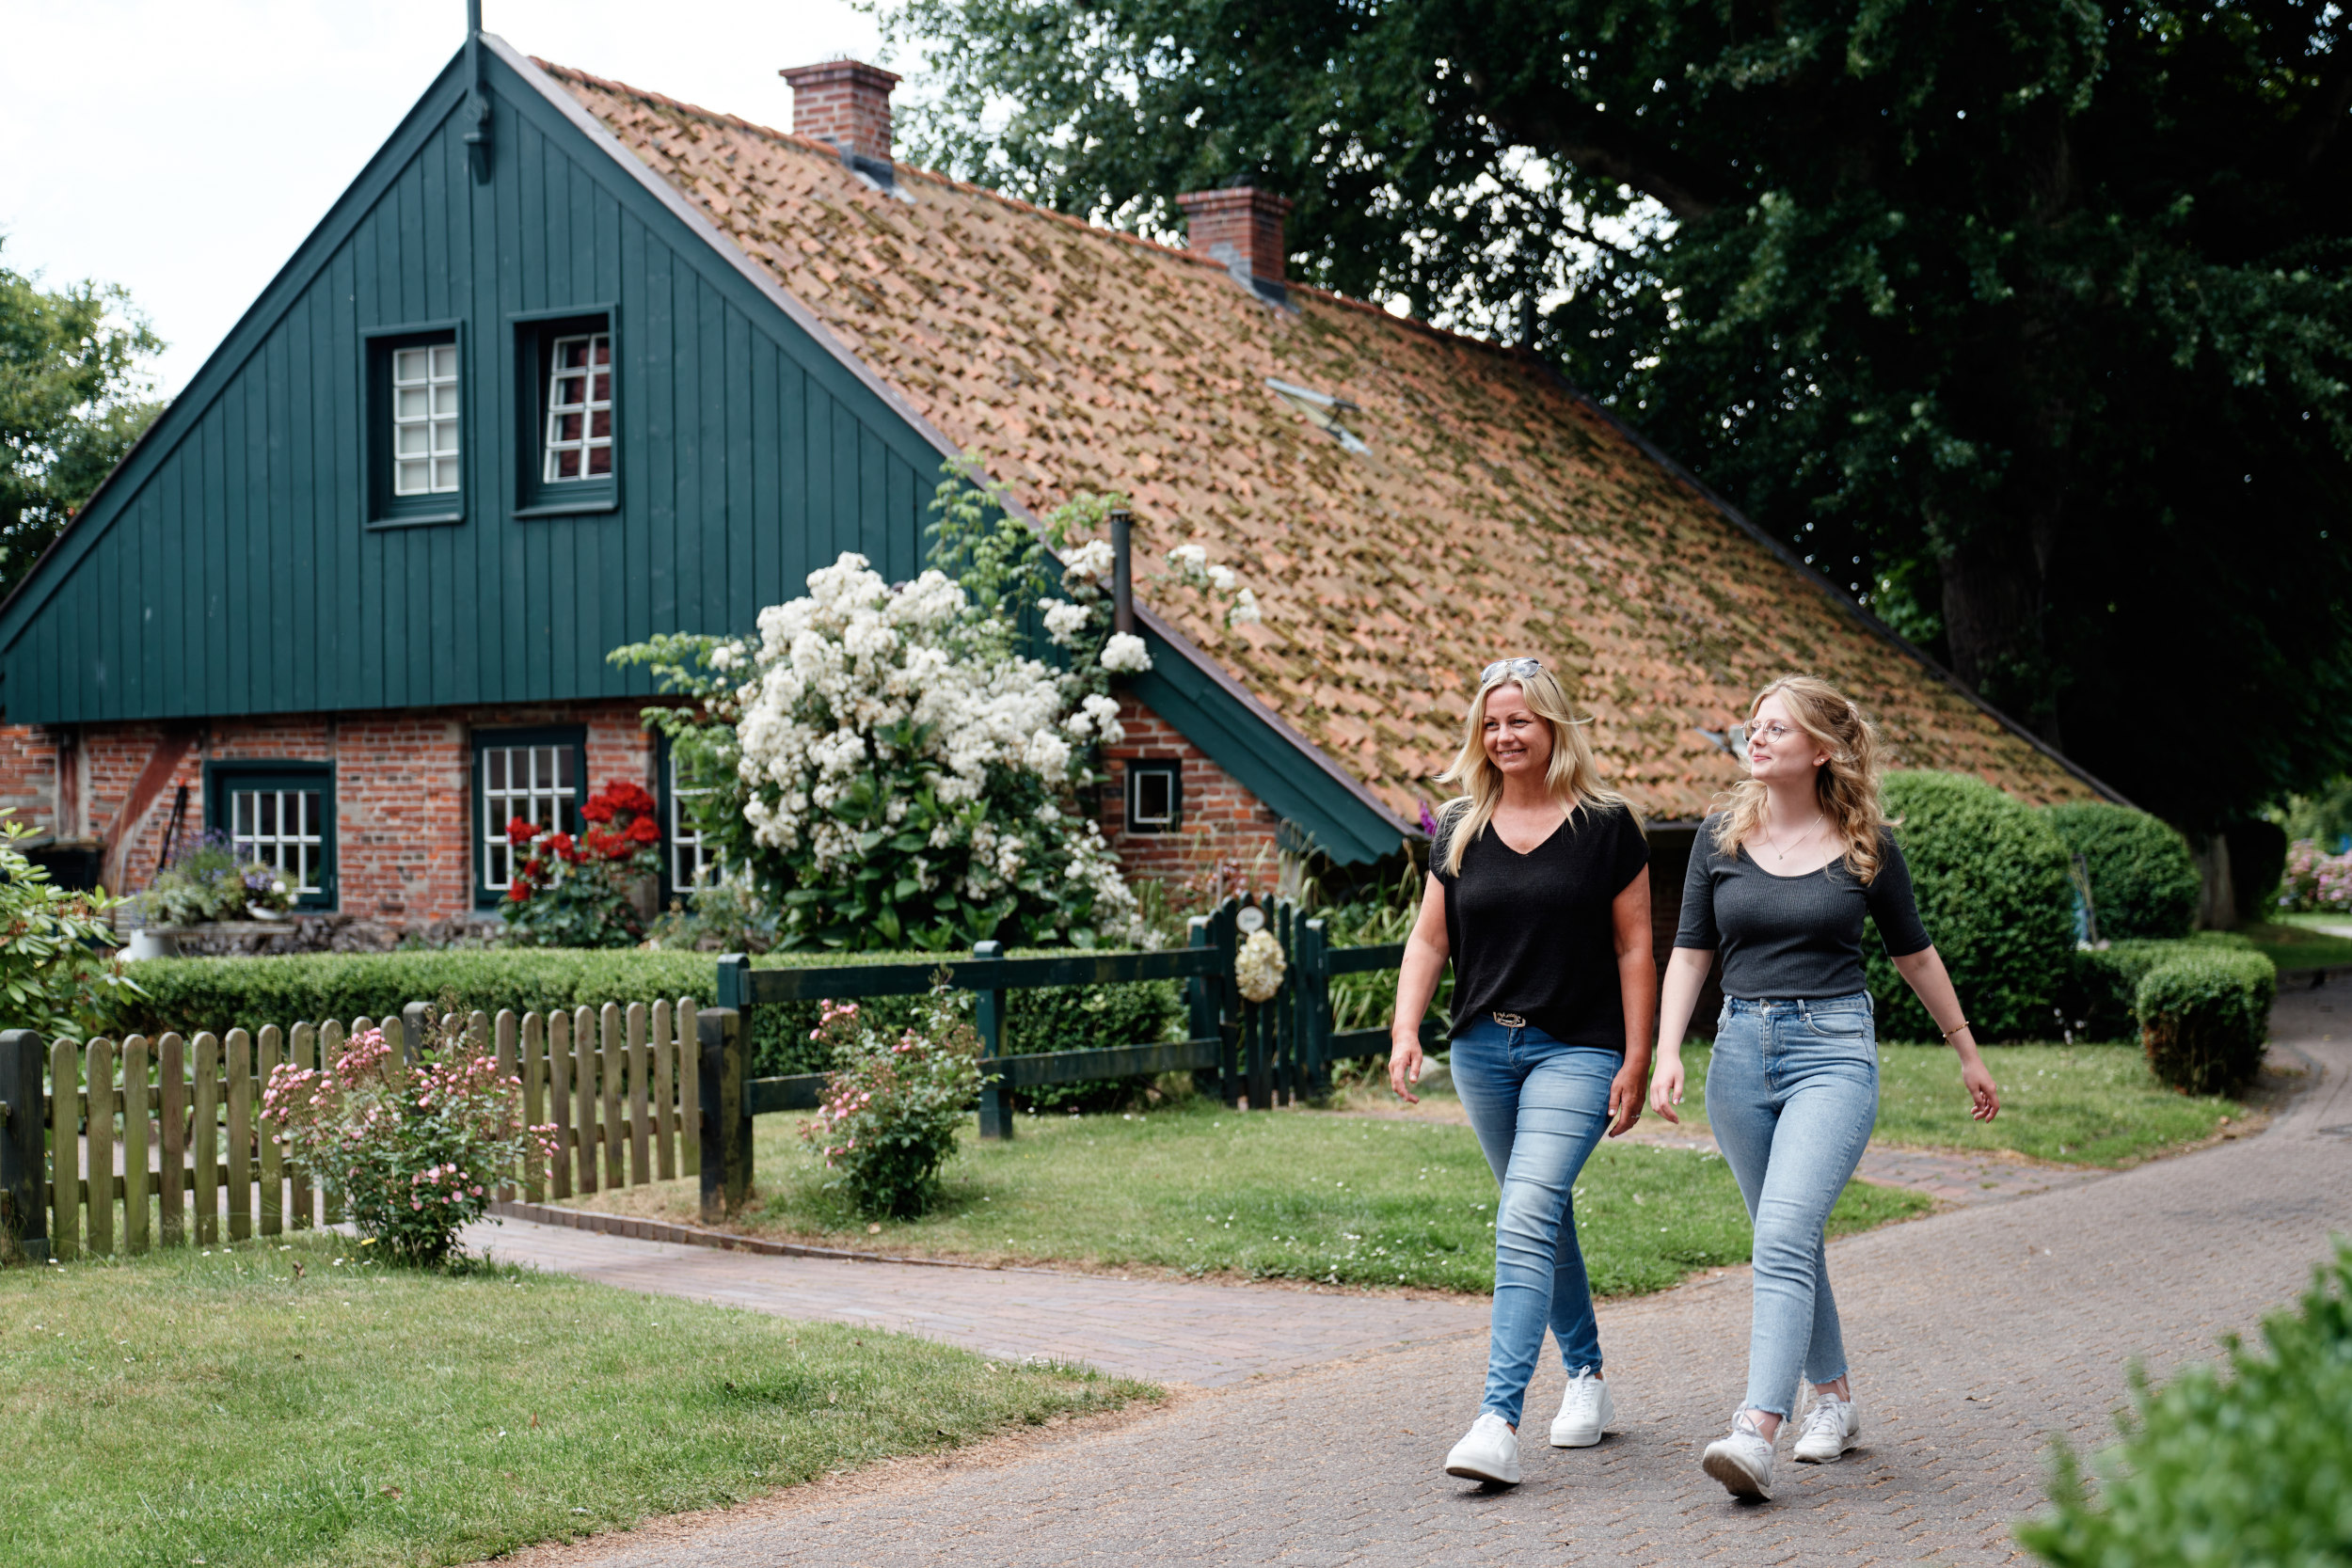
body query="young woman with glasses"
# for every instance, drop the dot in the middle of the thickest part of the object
(1779, 882)
(1538, 891)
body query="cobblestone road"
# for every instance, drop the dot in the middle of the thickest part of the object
(1976, 1333)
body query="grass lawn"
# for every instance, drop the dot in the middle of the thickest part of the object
(183, 1408)
(2069, 1104)
(1293, 1194)
(2293, 943)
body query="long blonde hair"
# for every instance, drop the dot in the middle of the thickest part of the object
(1846, 787)
(1572, 776)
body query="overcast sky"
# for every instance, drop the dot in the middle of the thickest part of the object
(183, 147)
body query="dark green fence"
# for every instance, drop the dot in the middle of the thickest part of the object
(1265, 1054)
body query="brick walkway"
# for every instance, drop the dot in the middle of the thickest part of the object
(1976, 1333)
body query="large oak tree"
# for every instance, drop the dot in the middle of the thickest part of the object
(2026, 320)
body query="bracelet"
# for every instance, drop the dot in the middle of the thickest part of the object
(1954, 1030)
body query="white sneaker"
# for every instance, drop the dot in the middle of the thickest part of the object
(1831, 1427)
(1743, 1461)
(1488, 1451)
(1585, 1412)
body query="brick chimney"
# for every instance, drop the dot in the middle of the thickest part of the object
(1242, 227)
(846, 102)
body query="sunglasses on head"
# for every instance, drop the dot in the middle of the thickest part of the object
(1503, 666)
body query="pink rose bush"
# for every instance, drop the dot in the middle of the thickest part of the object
(2315, 880)
(411, 1151)
(893, 1105)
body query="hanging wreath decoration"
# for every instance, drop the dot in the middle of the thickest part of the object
(1258, 967)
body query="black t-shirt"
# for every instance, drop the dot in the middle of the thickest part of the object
(1787, 937)
(1532, 934)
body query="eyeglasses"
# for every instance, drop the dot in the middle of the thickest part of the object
(1771, 734)
(1509, 667)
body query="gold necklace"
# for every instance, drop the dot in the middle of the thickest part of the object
(1780, 856)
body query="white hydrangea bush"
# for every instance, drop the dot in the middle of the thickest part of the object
(893, 768)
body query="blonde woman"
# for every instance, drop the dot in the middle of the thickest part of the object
(1779, 882)
(1538, 891)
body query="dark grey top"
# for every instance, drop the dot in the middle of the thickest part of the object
(1794, 937)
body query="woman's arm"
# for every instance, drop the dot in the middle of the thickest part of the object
(1417, 977)
(1686, 975)
(1924, 973)
(1637, 981)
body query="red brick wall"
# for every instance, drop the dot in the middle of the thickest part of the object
(403, 783)
(29, 777)
(1226, 835)
(843, 102)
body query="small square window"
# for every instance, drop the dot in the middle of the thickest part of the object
(416, 426)
(531, 774)
(567, 414)
(1154, 797)
(580, 408)
(282, 815)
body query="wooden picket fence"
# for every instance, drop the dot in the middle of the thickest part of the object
(164, 1135)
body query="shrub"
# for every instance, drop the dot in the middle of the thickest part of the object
(2103, 1002)
(2250, 1470)
(207, 880)
(58, 973)
(1993, 885)
(2143, 879)
(2203, 1019)
(894, 1103)
(571, 892)
(2315, 879)
(411, 1151)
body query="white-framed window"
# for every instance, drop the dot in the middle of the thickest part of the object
(534, 781)
(425, 419)
(286, 828)
(689, 855)
(1155, 795)
(580, 408)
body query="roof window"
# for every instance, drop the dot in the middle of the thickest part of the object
(1323, 411)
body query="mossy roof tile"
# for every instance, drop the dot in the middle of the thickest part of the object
(1496, 512)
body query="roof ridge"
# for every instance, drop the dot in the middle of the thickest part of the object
(720, 117)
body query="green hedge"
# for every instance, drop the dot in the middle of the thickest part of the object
(2205, 1017)
(1993, 886)
(2103, 1002)
(2255, 1469)
(220, 994)
(2143, 879)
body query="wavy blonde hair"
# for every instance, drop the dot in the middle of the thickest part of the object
(1846, 787)
(1573, 777)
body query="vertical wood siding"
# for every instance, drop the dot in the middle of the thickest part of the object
(229, 570)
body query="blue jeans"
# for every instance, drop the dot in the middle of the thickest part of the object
(1539, 1106)
(1792, 1092)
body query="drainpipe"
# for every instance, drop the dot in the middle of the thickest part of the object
(1122, 571)
(477, 139)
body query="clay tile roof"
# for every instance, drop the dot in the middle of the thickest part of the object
(1496, 511)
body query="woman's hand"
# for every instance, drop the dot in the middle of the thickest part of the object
(1983, 1094)
(1624, 1094)
(1405, 1069)
(1665, 1085)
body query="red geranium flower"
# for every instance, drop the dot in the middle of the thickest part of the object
(644, 830)
(630, 798)
(562, 846)
(520, 893)
(597, 808)
(521, 830)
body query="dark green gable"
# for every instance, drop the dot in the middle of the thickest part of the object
(240, 563)
(249, 556)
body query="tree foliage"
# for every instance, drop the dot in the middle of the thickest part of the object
(2026, 320)
(71, 407)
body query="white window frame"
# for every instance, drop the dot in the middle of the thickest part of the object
(1140, 769)
(426, 416)
(571, 394)
(543, 798)
(689, 855)
(306, 844)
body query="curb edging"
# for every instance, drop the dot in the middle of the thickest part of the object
(722, 1241)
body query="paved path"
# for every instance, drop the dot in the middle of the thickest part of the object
(1169, 1331)
(1976, 1333)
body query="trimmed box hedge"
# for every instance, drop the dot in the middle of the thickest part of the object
(220, 994)
(2143, 879)
(2204, 1018)
(2252, 1468)
(2102, 1002)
